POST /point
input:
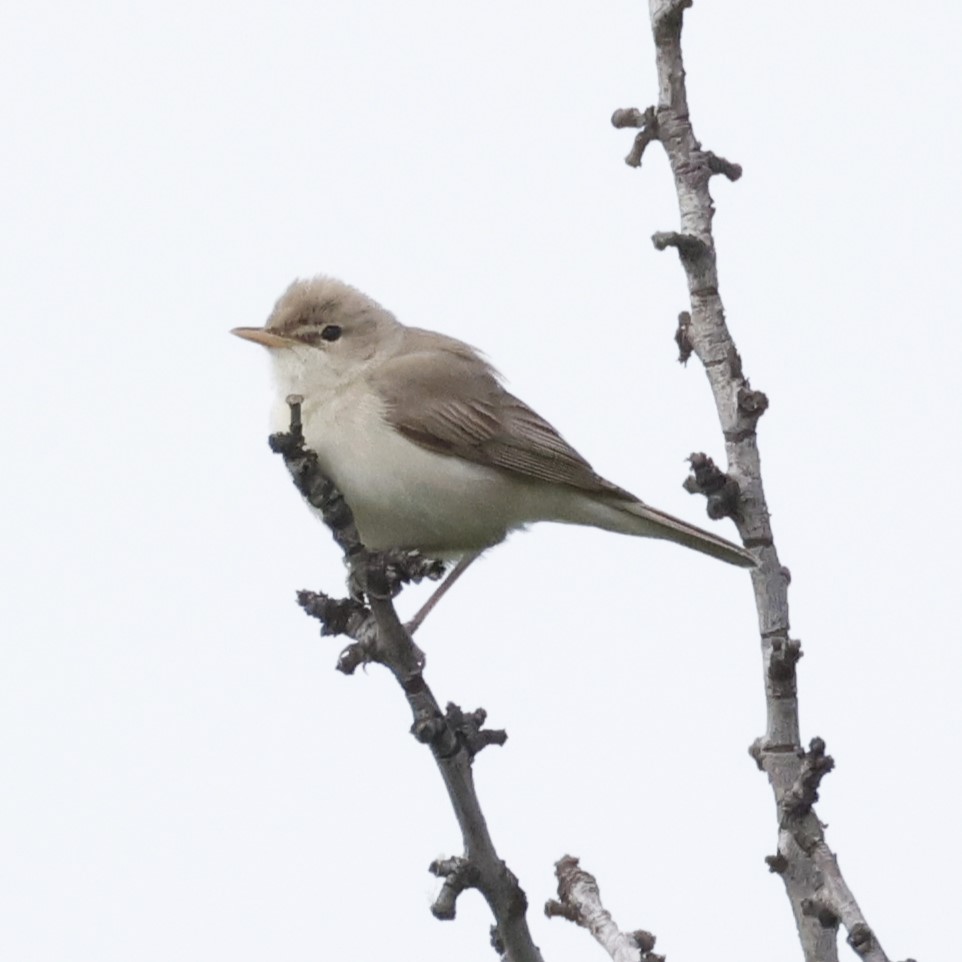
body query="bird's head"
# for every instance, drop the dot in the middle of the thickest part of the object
(323, 332)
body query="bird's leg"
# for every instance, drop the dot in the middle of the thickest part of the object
(439, 592)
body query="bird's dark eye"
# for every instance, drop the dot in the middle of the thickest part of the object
(330, 332)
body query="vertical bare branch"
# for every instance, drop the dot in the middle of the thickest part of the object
(819, 897)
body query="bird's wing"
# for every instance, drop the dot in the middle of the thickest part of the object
(450, 401)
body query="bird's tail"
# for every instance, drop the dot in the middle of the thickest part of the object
(638, 518)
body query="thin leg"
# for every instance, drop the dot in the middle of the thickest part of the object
(441, 590)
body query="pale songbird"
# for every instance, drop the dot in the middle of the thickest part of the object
(426, 445)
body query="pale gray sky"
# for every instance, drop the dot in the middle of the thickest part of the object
(185, 776)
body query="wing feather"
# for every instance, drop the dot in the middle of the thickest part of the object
(448, 400)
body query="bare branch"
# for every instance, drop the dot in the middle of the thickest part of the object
(579, 901)
(836, 894)
(633, 117)
(666, 15)
(721, 490)
(817, 892)
(338, 616)
(802, 796)
(718, 165)
(468, 726)
(688, 245)
(458, 874)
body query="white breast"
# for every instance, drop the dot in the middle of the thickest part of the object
(403, 495)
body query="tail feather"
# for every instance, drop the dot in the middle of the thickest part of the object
(638, 518)
(659, 524)
(617, 510)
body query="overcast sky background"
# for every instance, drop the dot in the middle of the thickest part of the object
(184, 775)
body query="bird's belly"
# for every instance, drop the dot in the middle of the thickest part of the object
(403, 495)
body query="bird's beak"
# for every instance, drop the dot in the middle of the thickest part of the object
(262, 336)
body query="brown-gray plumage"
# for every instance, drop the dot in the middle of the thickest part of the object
(429, 449)
(460, 409)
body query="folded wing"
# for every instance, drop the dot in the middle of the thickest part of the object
(450, 401)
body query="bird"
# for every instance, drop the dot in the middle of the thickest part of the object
(428, 447)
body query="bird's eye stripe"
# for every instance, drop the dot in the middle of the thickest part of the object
(309, 334)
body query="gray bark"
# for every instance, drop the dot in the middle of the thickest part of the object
(819, 897)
